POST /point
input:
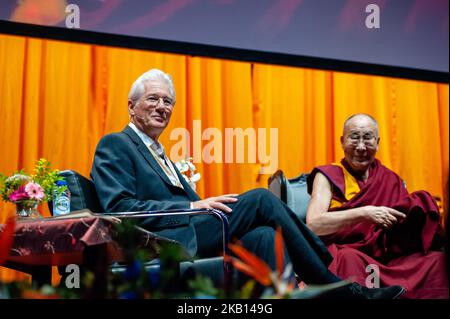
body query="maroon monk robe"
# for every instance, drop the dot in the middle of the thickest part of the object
(407, 254)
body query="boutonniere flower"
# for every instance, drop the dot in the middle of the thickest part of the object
(187, 170)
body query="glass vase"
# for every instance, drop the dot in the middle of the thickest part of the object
(27, 209)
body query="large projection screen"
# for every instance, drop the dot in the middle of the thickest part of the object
(399, 33)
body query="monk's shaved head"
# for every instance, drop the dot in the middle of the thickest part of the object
(359, 116)
(360, 142)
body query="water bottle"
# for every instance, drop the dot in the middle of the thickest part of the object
(61, 200)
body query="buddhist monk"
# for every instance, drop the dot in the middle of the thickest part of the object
(377, 232)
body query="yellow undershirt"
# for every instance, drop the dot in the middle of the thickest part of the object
(350, 184)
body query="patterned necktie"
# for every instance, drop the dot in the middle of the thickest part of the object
(166, 166)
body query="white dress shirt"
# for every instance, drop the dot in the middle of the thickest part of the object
(157, 151)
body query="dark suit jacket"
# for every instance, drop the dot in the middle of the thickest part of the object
(128, 178)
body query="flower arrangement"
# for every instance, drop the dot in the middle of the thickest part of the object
(187, 170)
(29, 190)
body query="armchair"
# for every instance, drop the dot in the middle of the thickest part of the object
(83, 195)
(293, 192)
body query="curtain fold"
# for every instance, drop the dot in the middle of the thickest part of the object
(57, 99)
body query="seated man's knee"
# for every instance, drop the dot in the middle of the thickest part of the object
(263, 192)
(259, 194)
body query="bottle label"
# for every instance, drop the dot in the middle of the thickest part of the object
(61, 205)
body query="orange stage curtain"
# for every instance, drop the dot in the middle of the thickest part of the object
(58, 98)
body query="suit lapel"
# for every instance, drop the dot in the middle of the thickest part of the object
(146, 154)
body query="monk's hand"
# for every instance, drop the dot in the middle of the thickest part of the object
(217, 202)
(384, 217)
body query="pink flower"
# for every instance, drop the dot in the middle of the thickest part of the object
(18, 194)
(35, 191)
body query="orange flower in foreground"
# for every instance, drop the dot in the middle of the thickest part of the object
(31, 294)
(255, 267)
(279, 252)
